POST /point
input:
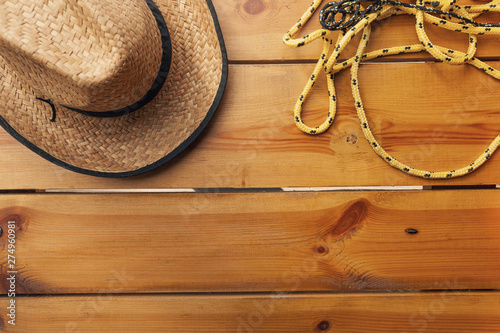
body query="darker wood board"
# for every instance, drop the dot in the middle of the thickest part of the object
(443, 312)
(257, 242)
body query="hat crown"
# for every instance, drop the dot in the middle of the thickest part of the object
(91, 55)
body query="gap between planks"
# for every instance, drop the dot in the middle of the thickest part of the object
(380, 61)
(297, 293)
(256, 190)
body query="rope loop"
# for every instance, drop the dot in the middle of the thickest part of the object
(351, 18)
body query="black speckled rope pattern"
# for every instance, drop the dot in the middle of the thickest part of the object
(352, 9)
(350, 27)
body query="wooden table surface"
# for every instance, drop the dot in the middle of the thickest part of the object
(260, 228)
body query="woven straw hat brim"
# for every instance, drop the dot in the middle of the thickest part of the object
(147, 138)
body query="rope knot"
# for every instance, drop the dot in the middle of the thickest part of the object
(351, 13)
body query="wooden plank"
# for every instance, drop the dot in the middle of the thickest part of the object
(451, 312)
(253, 31)
(254, 242)
(253, 141)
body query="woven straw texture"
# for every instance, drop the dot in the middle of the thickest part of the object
(117, 144)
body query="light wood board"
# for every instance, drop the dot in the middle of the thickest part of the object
(254, 29)
(415, 110)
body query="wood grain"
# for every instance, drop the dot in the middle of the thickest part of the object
(444, 312)
(253, 141)
(254, 242)
(253, 31)
(277, 262)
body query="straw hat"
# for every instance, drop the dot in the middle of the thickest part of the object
(109, 88)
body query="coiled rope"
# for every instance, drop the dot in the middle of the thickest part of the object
(353, 19)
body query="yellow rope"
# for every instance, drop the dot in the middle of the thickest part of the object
(329, 65)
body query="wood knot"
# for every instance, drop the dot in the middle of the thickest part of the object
(322, 250)
(254, 7)
(352, 139)
(350, 221)
(5, 285)
(12, 214)
(15, 217)
(324, 326)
